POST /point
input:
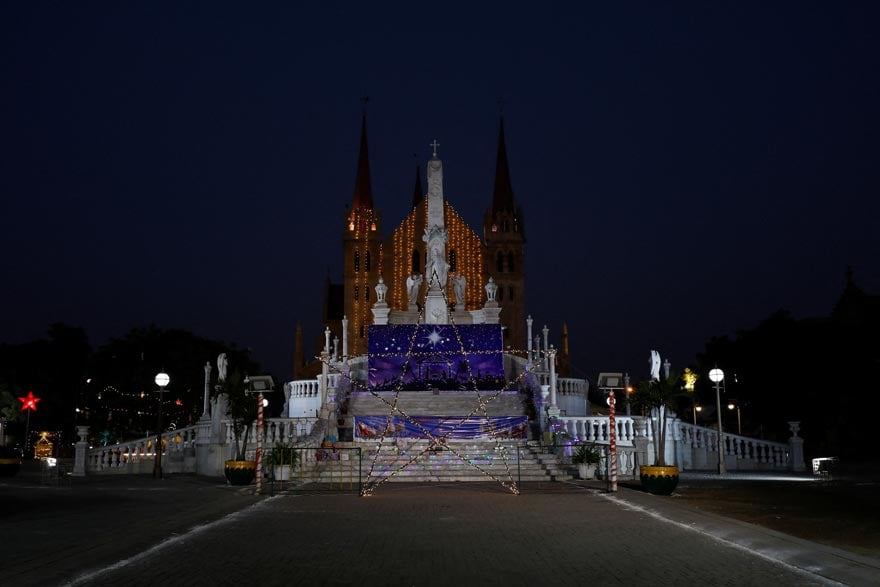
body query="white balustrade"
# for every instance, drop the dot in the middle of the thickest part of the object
(124, 455)
(689, 446)
(287, 430)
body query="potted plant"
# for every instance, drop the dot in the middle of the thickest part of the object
(658, 397)
(283, 460)
(242, 410)
(587, 458)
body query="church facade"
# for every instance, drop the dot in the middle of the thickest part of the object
(404, 257)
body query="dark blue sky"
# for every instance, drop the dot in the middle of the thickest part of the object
(684, 170)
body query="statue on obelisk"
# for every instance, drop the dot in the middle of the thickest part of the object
(435, 237)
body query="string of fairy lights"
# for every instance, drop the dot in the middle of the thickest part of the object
(462, 240)
(437, 440)
(362, 223)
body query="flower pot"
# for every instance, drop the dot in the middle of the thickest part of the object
(658, 480)
(240, 472)
(587, 471)
(9, 466)
(282, 472)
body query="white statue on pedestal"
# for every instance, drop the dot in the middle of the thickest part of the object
(491, 290)
(413, 284)
(221, 367)
(655, 365)
(382, 289)
(459, 284)
(437, 266)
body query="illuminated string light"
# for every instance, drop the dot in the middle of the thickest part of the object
(481, 406)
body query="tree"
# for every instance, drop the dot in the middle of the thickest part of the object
(659, 397)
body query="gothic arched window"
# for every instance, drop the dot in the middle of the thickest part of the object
(415, 262)
(510, 293)
(510, 265)
(452, 261)
(499, 262)
(500, 295)
(357, 261)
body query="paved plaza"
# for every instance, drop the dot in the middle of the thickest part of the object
(187, 530)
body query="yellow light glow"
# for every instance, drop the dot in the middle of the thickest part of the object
(690, 379)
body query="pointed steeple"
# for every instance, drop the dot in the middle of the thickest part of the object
(502, 197)
(418, 194)
(363, 193)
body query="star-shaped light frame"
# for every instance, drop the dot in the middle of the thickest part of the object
(438, 440)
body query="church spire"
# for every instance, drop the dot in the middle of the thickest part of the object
(417, 192)
(363, 193)
(502, 197)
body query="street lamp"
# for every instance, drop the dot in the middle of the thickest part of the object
(716, 376)
(162, 380)
(733, 406)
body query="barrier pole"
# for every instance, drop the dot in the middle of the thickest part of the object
(259, 443)
(612, 438)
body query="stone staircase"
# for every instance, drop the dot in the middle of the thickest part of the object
(479, 460)
(441, 403)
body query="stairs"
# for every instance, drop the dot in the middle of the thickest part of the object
(478, 461)
(442, 403)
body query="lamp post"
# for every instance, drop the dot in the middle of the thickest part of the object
(258, 385)
(733, 406)
(716, 376)
(162, 380)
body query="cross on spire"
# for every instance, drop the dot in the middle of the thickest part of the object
(435, 144)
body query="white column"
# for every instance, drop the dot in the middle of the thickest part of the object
(82, 447)
(335, 348)
(205, 413)
(327, 340)
(345, 338)
(529, 338)
(546, 332)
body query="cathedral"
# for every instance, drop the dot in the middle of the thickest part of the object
(402, 258)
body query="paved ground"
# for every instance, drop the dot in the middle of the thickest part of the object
(192, 530)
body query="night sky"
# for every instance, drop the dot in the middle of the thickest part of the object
(684, 171)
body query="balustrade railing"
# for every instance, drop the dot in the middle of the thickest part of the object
(689, 446)
(275, 430)
(595, 429)
(123, 454)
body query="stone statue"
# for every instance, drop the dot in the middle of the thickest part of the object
(459, 285)
(491, 290)
(221, 367)
(382, 289)
(438, 266)
(655, 365)
(413, 284)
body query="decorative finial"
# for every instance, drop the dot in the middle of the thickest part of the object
(435, 144)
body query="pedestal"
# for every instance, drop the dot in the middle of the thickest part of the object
(81, 452)
(436, 311)
(380, 313)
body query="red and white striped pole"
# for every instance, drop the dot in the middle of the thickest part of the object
(612, 438)
(259, 443)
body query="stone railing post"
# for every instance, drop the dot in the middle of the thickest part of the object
(82, 447)
(796, 445)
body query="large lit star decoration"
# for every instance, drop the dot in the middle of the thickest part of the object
(434, 338)
(29, 402)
